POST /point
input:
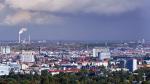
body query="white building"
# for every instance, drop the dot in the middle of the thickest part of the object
(4, 69)
(24, 66)
(104, 55)
(27, 56)
(101, 52)
(15, 67)
(135, 64)
(5, 50)
(95, 52)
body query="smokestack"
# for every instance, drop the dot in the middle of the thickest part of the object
(29, 38)
(19, 38)
(20, 32)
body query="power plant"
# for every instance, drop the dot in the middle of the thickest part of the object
(21, 31)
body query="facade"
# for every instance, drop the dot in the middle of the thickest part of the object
(15, 67)
(122, 63)
(102, 53)
(4, 69)
(95, 52)
(5, 50)
(27, 56)
(132, 65)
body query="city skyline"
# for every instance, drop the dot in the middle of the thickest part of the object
(62, 20)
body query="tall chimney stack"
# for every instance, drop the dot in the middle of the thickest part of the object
(19, 40)
(29, 38)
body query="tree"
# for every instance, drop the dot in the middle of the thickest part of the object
(25, 82)
(12, 81)
(45, 80)
(44, 77)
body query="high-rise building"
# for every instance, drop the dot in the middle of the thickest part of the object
(102, 53)
(27, 56)
(132, 64)
(5, 50)
(95, 52)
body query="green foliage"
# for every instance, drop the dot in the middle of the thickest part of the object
(82, 77)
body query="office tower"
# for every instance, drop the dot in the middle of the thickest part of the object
(132, 64)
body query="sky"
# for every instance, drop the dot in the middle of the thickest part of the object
(75, 19)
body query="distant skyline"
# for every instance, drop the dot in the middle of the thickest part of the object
(76, 19)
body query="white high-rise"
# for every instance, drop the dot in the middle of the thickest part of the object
(101, 52)
(95, 52)
(135, 64)
(27, 56)
(104, 55)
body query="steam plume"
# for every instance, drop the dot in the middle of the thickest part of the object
(22, 30)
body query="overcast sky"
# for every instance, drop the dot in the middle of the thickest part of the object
(76, 19)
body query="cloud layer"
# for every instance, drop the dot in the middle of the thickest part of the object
(2, 6)
(26, 17)
(72, 6)
(43, 11)
(19, 17)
